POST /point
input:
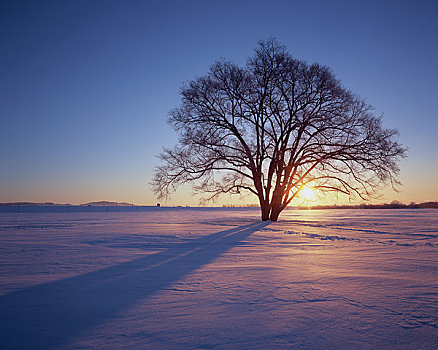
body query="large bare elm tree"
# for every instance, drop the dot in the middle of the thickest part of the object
(273, 127)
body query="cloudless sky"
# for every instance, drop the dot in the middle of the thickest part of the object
(86, 86)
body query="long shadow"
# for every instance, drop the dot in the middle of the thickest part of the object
(49, 315)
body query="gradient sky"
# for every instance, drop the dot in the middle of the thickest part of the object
(85, 86)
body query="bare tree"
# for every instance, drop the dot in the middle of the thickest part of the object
(273, 127)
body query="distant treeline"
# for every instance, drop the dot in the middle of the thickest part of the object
(29, 203)
(392, 205)
(90, 204)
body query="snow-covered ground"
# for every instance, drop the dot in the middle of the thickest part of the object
(219, 279)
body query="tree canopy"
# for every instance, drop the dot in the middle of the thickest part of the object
(273, 127)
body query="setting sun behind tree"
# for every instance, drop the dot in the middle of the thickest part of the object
(307, 193)
(272, 127)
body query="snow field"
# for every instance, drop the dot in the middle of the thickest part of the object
(219, 279)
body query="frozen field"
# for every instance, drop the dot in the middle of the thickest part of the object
(219, 279)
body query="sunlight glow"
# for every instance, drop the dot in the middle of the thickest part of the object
(307, 193)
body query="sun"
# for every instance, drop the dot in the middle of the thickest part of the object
(307, 193)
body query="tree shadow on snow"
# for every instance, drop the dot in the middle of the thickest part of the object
(49, 315)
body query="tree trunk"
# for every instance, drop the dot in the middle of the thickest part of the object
(275, 212)
(276, 203)
(265, 212)
(265, 208)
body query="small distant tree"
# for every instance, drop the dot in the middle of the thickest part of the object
(273, 127)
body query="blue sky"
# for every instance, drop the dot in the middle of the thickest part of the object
(86, 86)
